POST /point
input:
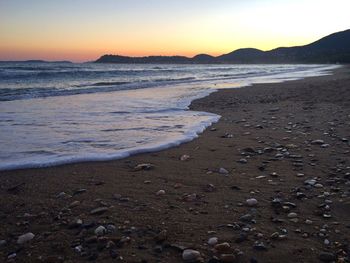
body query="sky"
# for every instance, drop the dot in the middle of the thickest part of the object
(83, 30)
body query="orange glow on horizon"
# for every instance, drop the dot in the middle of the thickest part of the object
(84, 30)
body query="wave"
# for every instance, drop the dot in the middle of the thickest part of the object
(47, 160)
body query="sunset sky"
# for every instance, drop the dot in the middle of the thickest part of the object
(82, 30)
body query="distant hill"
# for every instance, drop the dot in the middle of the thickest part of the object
(334, 48)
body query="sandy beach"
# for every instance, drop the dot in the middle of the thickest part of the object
(270, 181)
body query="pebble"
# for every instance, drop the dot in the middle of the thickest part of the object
(74, 204)
(100, 231)
(318, 142)
(99, 210)
(292, 215)
(243, 161)
(251, 202)
(190, 255)
(213, 241)
(246, 218)
(160, 192)
(308, 222)
(143, 166)
(184, 157)
(25, 238)
(223, 171)
(222, 247)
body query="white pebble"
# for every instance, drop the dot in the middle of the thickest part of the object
(25, 238)
(190, 255)
(213, 241)
(252, 202)
(100, 231)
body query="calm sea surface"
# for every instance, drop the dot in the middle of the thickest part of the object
(55, 113)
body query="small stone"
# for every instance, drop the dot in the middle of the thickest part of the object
(190, 255)
(243, 161)
(209, 188)
(25, 238)
(317, 142)
(100, 231)
(292, 215)
(246, 218)
(143, 166)
(213, 241)
(259, 246)
(184, 157)
(12, 256)
(160, 192)
(74, 204)
(327, 257)
(308, 222)
(222, 247)
(99, 210)
(326, 242)
(223, 171)
(251, 202)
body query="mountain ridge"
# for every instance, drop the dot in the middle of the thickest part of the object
(334, 48)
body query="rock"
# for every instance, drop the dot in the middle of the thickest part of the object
(308, 222)
(317, 142)
(111, 228)
(190, 255)
(143, 166)
(209, 188)
(222, 247)
(246, 218)
(99, 210)
(251, 202)
(160, 192)
(177, 185)
(223, 171)
(243, 161)
(25, 238)
(292, 215)
(74, 204)
(213, 241)
(184, 157)
(100, 231)
(259, 246)
(327, 257)
(158, 249)
(326, 242)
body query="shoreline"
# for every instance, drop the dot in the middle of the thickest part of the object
(190, 134)
(259, 124)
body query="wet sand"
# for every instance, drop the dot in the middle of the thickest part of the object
(283, 146)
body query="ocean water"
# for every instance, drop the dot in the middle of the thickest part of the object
(56, 113)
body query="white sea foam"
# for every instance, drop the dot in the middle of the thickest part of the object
(106, 124)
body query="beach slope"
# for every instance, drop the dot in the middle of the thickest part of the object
(271, 179)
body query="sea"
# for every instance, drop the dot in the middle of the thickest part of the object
(58, 113)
